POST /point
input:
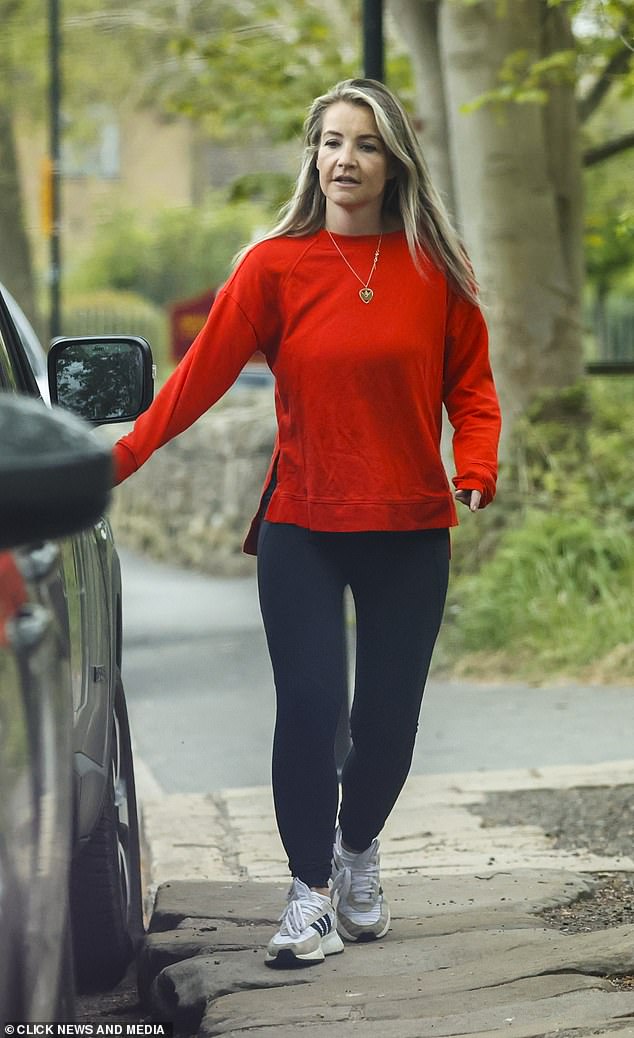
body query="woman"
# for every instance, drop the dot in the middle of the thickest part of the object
(364, 304)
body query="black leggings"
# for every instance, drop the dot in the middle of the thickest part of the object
(398, 582)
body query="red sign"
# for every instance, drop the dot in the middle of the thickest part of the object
(186, 319)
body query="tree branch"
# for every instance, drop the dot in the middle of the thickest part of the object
(592, 156)
(617, 64)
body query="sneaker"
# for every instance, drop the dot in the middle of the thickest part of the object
(362, 911)
(308, 930)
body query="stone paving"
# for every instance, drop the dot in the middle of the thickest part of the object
(467, 953)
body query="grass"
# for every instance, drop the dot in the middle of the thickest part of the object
(544, 580)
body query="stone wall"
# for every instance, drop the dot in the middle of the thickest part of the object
(193, 501)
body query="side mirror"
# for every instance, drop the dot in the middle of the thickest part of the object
(55, 474)
(102, 378)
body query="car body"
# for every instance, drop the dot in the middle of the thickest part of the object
(70, 887)
(254, 376)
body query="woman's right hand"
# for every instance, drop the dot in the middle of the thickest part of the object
(470, 498)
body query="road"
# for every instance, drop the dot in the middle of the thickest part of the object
(201, 698)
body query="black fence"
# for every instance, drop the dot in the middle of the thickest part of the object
(610, 339)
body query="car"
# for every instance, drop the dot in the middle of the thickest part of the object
(70, 884)
(254, 376)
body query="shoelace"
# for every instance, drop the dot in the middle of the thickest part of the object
(362, 882)
(298, 914)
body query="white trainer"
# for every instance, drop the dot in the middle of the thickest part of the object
(307, 932)
(363, 913)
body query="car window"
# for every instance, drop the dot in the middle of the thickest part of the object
(30, 343)
(8, 378)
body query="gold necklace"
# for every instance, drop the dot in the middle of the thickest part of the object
(365, 294)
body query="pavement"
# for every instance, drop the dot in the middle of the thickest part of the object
(467, 953)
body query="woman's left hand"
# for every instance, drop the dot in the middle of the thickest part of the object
(471, 498)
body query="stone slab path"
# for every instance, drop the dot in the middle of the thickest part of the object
(434, 829)
(467, 953)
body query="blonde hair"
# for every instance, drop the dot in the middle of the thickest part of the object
(410, 195)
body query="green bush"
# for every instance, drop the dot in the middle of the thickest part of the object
(543, 579)
(181, 253)
(97, 313)
(557, 595)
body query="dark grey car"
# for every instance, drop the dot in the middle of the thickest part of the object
(70, 887)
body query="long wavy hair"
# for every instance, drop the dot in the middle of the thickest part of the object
(410, 195)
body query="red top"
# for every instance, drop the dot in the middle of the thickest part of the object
(359, 387)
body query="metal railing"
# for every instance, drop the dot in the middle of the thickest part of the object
(612, 335)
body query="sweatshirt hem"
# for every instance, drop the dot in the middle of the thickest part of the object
(347, 517)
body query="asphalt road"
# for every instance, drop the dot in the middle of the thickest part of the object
(201, 699)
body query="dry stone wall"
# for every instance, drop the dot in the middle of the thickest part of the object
(193, 501)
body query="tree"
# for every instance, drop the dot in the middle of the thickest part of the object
(220, 75)
(16, 268)
(609, 212)
(23, 90)
(207, 61)
(503, 91)
(498, 90)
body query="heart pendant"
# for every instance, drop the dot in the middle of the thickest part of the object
(366, 294)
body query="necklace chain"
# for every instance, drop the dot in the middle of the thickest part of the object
(366, 294)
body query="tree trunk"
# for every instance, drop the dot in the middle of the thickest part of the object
(15, 255)
(517, 176)
(417, 24)
(563, 143)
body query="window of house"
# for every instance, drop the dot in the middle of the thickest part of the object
(92, 144)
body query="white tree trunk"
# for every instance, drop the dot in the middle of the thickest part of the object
(416, 22)
(15, 252)
(518, 201)
(563, 141)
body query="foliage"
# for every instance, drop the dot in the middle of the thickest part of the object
(235, 66)
(221, 68)
(15, 44)
(603, 29)
(304, 46)
(202, 60)
(609, 210)
(85, 33)
(108, 311)
(609, 218)
(609, 246)
(523, 80)
(556, 596)
(269, 189)
(602, 33)
(183, 251)
(543, 579)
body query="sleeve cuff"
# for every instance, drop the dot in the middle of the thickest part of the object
(124, 462)
(474, 483)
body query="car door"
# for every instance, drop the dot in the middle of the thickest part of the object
(35, 774)
(92, 667)
(105, 878)
(88, 587)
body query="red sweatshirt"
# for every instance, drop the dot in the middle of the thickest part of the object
(359, 387)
